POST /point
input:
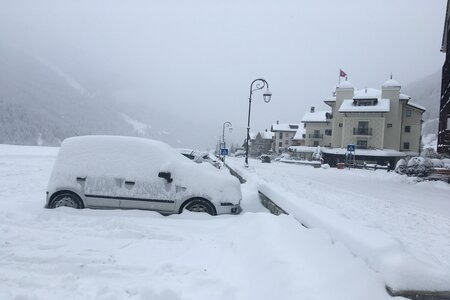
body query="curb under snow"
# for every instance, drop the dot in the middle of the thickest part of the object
(403, 274)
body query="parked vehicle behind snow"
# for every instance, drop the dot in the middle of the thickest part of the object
(135, 173)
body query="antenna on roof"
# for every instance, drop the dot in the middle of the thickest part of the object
(391, 75)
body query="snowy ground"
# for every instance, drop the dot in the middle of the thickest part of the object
(112, 254)
(416, 214)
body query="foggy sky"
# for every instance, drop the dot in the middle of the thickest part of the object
(198, 58)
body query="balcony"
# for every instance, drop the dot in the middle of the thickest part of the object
(315, 136)
(362, 131)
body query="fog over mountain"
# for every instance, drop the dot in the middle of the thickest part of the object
(41, 104)
(177, 70)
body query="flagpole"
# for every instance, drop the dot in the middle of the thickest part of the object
(339, 80)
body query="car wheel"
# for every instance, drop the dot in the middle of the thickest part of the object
(200, 205)
(67, 200)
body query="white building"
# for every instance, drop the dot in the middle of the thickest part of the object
(317, 126)
(283, 135)
(375, 119)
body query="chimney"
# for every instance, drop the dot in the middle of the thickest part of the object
(312, 109)
(278, 122)
(266, 130)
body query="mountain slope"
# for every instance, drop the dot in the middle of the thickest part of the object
(42, 104)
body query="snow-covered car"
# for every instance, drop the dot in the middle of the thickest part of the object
(135, 173)
(200, 157)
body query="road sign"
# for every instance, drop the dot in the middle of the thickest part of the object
(351, 148)
(224, 151)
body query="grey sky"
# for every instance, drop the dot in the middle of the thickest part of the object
(198, 57)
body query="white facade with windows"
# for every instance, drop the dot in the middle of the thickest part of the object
(374, 119)
(317, 125)
(284, 135)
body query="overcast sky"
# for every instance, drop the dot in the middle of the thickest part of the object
(199, 57)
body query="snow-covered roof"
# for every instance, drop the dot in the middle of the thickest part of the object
(303, 149)
(365, 152)
(368, 93)
(318, 116)
(267, 135)
(391, 83)
(291, 127)
(299, 134)
(404, 97)
(330, 99)
(382, 105)
(416, 105)
(345, 85)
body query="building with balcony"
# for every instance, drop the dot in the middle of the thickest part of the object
(375, 119)
(443, 145)
(284, 136)
(317, 126)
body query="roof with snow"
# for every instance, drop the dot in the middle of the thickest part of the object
(420, 107)
(368, 93)
(290, 127)
(299, 134)
(382, 105)
(404, 97)
(318, 116)
(330, 99)
(391, 83)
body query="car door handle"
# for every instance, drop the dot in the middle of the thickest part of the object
(129, 182)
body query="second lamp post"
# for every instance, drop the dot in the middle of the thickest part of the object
(228, 125)
(259, 84)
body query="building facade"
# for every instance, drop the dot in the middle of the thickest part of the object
(317, 126)
(443, 145)
(283, 136)
(375, 119)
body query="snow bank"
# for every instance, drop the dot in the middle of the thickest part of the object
(400, 270)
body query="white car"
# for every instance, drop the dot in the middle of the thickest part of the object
(135, 173)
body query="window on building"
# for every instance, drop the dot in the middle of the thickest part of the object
(408, 113)
(286, 142)
(281, 135)
(389, 125)
(365, 102)
(316, 143)
(406, 145)
(408, 128)
(340, 124)
(361, 144)
(280, 144)
(327, 131)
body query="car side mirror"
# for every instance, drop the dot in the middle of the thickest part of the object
(166, 175)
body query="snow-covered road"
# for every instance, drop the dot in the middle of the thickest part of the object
(416, 214)
(113, 254)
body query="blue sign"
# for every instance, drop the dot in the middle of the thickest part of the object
(224, 151)
(351, 148)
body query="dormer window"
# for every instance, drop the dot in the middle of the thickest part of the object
(365, 102)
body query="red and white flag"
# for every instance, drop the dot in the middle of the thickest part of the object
(342, 73)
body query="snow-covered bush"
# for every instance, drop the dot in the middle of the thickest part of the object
(419, 166)
(400, 167)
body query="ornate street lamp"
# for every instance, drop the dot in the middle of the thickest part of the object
(230, 128)
(259, 85)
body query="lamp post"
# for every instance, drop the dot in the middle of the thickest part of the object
(229, 126)
(259, 85)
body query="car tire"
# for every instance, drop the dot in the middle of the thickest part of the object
(66, 199)
(199, 205)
